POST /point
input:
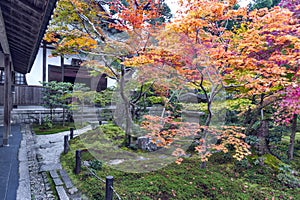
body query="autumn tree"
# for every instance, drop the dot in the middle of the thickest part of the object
(105, 33)
(288, 108)
(257, 59)
(194, 45)
(263, 57)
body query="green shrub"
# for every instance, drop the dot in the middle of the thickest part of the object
(154, 100)
(252, 140)
(96, 164)
(46, 123)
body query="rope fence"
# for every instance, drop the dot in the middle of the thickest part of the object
(109, 189)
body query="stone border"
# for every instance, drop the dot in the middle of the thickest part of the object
(34, 183)
(23, 192)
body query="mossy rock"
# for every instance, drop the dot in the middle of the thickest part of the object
(272, 162)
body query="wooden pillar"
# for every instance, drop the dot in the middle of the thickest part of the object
(44, 61)
(62, 68)
(7, 100)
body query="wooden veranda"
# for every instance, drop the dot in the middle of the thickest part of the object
(22, 27)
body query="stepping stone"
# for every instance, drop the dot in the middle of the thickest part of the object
(62, 195)
(63, 172)
(54, 174)
(49, 167)
(66, 179)
(57, 181)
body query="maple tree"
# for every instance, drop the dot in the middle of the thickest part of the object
(257, 58)
(105, 34)
(288, 108)
(194, 44)
(288, 112)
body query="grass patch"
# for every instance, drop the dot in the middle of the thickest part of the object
(183, 182)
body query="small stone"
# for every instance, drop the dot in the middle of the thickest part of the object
(116, 161)
(73, 190)
(47, 188)
(86, 163)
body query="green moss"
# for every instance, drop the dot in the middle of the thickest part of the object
(56, 128)
(272, 162)
(185, 181)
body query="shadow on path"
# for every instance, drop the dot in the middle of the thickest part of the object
(9, 164)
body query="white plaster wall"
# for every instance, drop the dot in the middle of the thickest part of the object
(36, 74)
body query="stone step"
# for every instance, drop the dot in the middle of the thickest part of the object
(62, 195)
(55, 177)
(66, 179)
(64, 186)
(86, 120)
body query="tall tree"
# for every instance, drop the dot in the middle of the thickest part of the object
(264, 54)
(258, 57)
(195, 44)
(107, 32)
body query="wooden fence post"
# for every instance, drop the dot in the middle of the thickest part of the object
(71, 133)
(108, 189)
(7, 100)
(77, 162)
(66, 144)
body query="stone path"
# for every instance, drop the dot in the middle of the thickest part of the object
(43, 153)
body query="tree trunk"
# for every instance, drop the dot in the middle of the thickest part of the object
(292, 138)
(262, 134)
(207, 123)
(128, 120)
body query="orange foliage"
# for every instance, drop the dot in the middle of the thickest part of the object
(227, 136)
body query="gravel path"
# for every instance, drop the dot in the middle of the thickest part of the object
(43, 153)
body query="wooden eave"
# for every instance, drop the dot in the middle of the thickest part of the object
(25, 22)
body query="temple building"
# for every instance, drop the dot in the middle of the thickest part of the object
(22, 27)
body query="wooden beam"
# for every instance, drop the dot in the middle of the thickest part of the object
(49, 7)
(19, 29)
(15, 42)
(3, 36)
(7, 100)
(22, 20)
(47, 46)
(44, 60)
(32, 7)
(22, 6)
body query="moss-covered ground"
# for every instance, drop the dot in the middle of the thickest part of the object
(223, 178)
(56, 128)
